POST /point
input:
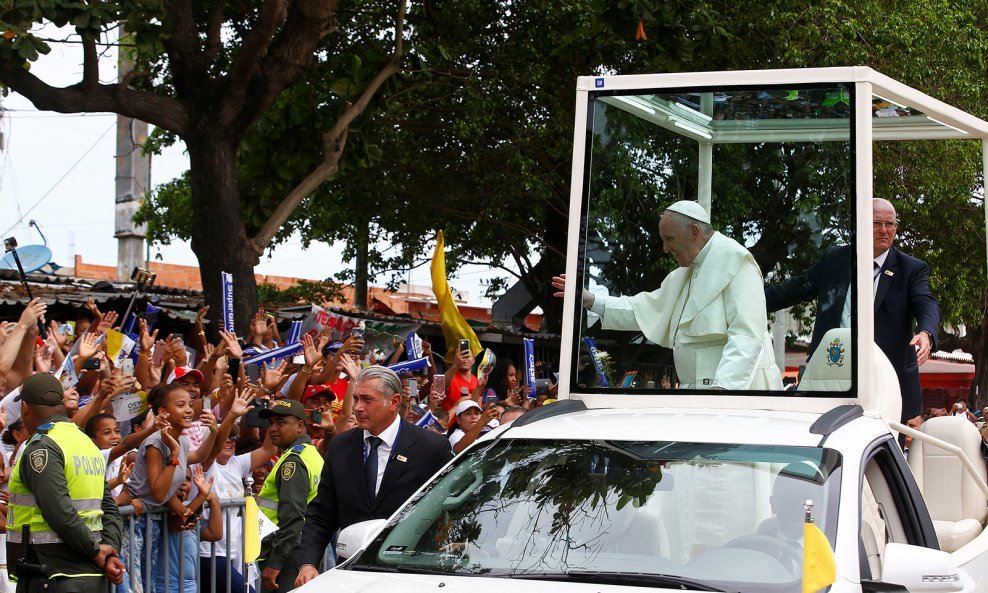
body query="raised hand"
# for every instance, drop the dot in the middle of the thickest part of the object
(241, 403)
(271, 377)
(324, 337)
(199, 479)
(349, 365)
(201, 314)
(42, 358)
(233, 348)
(88, 346)
(259, 326)
(34, 311)
(58, 338)
(310, 352)
(107, 322)
(147, 339)
(209, 421)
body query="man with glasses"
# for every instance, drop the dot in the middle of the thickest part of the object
(907, 317)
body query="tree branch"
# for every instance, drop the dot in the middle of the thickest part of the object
(90, 63)
(334, 143)
(157, 110)
(256, 44)
(182, 45)
(214, 26)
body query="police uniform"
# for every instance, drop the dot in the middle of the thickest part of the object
(58, 488)
(286, 493)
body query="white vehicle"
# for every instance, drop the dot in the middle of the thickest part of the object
(644, 485)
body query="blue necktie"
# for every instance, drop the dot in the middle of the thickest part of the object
(370, 465)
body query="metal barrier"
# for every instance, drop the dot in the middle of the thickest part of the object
(144, 582)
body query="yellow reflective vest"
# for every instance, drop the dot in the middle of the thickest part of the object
(267, 500)
(85, 474)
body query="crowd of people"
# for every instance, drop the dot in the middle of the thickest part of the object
(177, 439)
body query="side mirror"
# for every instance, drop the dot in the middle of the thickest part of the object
(356, 536)
(922, 569)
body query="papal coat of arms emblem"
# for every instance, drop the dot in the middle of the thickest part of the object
(835, 353)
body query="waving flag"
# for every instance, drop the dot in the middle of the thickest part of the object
(455, 327)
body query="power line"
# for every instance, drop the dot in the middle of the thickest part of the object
(60, 180)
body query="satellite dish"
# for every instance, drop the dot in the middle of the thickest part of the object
(33, 258)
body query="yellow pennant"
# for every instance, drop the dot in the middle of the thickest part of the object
(455, 327)
(819, 565)
(252, 536)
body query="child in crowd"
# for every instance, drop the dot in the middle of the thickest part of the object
(162, 462)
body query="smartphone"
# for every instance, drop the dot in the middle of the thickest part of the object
(439, 383)
(158, 353)
(413, 387)
(127, 366)
(207, 404)
(253, 373)
(313, 417)
(464, 345)
(91, 365)
(490, 398)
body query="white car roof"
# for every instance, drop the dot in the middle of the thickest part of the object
(677, 424)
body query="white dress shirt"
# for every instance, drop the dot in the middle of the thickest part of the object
(388, 437)
(845, 316)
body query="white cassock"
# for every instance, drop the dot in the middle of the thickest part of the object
(712, 314)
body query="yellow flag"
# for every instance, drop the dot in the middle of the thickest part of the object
(252, 536)
(455, 327)
(819, 565)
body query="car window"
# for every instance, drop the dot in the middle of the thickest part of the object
(731, 514)
(773, 170)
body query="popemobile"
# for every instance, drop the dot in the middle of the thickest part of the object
(659, 467)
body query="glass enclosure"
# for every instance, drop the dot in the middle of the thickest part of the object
(673, 303)
(724, 514)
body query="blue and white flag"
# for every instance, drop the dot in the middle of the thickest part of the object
(294, 332)
(409, 366)
(228, 317)
(66, 375)
(530, 366)
(275, 354)
(413, 346)
(597, 364)
(429, 419)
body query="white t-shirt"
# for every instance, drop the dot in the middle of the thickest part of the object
(112, 469)
(228, 482)
(457, 435)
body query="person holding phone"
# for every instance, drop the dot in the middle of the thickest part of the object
(459, 377)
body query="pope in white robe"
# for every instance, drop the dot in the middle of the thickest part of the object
(711, 312)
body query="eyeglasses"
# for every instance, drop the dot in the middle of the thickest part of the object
(880, 224)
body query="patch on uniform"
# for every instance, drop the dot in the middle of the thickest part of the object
(835, 353)
(288, 470)
(39, 460)
(298, 448)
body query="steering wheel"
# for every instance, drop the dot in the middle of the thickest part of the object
(790, 554)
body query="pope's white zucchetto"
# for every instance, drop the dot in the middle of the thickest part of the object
(690, 208)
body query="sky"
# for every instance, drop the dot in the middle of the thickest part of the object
(59, 170)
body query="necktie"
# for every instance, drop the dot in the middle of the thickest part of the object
(877, 269)
(370, 465)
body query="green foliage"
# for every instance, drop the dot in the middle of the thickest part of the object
(305, 291)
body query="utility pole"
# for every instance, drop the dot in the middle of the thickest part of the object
(133, 182)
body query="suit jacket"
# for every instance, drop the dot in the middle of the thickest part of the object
(904, 306)
(343, 499)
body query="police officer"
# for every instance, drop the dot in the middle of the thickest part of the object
(59, 489)
(286, 492)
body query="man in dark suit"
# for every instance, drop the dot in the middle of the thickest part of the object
(907, 317)
(371, 470)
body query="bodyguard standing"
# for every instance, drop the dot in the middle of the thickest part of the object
(58, 488)
(286, 492)
(371, 470)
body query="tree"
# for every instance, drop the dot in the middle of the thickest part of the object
(205, 73)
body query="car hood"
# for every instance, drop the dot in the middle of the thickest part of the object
(351, 581)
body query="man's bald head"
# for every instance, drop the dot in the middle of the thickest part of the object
(883, 225)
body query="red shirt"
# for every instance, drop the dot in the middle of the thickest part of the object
(455, 387)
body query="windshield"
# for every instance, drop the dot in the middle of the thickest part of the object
(727, 515)
(696, 202)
